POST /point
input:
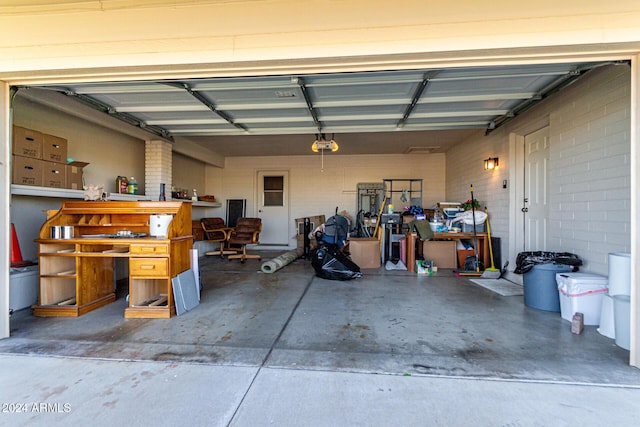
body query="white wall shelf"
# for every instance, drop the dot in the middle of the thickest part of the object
(65, 193)
(200, 204)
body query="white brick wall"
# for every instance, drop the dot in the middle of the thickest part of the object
(589, 168)
(158, 161)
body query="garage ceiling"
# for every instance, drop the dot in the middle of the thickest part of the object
(367, 112)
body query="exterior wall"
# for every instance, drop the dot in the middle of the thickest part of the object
(209, 32)
(313, 191)
(589, 169)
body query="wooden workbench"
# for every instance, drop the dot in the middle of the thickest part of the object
(482, 239)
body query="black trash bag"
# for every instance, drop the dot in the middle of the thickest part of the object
(471, 263)
(526, 260)
(333, 264)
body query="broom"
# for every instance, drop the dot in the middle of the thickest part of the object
(490, 272)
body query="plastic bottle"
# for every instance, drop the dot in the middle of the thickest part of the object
(194, 197)
(132, 186)
(121, 184)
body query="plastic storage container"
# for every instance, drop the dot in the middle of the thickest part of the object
(619, 273)
(540, 288)
(581, 293)
(23, 287)
(622, 319)
(607, 322)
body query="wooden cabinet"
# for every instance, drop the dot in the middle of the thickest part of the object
(77, 275)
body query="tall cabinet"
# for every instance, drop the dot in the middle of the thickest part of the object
(77, 274)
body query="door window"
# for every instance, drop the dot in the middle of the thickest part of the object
(273, 191)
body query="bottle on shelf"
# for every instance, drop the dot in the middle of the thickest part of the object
(132, 186)
(163, 196)
(194, 196)
(121, 184)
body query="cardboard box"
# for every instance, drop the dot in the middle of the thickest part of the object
(54, 174)
(27, 143)
(54, 149)
(365, 252)
(315, 222)
(26, 171)
(463, 254)
(74, 171)
(441, 252)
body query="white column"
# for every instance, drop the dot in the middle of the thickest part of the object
(157, 169)
(634, 358)
(5, 184)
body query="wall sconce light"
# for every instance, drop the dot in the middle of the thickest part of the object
(491, 163)
(321, 144)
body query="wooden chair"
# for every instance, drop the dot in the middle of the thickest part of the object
(216, 231)
(246, 232)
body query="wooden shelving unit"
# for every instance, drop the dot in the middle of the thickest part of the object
(76, 275)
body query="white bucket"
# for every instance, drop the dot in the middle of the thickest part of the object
(619, 274)
(607, 325)
(622, 317)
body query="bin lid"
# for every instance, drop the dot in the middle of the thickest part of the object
(552, 267)
(587, 279)
(579, 284)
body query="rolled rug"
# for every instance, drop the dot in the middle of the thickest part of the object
(280, 261)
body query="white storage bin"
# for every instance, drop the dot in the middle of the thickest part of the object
(581, 293)
(23, 287)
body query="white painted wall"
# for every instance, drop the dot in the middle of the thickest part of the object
(188, 173)
(109, 153)
(314, 191)
(225, 32)
(589, 125)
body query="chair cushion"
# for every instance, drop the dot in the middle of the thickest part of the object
(245, 228)
(213, 224)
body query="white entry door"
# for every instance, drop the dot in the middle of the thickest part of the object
(273, 207)
(535, 205)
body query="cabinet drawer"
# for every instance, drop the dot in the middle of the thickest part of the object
(148, 249)
(149, 267)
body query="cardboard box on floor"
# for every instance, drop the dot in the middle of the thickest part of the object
(315, 220)
(441, 252)
(365, 251)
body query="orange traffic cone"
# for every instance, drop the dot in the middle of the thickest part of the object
(16, 254)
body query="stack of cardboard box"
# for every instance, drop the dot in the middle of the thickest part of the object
(40, 160)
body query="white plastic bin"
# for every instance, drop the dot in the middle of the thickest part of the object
(23, 287)
(581, 293)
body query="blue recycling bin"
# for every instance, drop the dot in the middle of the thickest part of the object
(540, 287)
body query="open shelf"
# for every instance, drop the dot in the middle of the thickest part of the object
(65, 193)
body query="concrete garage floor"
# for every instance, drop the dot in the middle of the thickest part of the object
(288, 348)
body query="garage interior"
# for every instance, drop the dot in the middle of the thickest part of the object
(387, 322)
